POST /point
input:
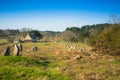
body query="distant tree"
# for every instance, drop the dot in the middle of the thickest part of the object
(26, 30)
(76, 30)
(68, 36)
(87, 31)
(36, 33)
(7, 33)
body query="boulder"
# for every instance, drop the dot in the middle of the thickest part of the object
(35, 48)
(16, 50)
(82, 49)
(78, 57)
(20, 47)
(6, 51)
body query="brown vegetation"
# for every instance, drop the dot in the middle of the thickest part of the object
(74, 64)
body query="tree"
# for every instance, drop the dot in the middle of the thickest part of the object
(108, 41)
(76, 30)
(68, 36)
(35, 33)
(26, 30)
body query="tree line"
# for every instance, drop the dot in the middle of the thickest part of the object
(104, 38)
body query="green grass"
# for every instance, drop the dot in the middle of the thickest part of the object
(42, 65)
(23, 73)
(24, 68)
(20, 61)
(3, 41)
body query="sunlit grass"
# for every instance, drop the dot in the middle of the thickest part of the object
(44, 64)
(3, 41)
(24, 68)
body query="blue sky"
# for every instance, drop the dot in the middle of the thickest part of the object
(55, 15)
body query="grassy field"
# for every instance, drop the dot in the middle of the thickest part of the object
(55, 61)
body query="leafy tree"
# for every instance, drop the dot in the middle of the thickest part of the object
(87, 31)
(68, 36)
(26, 30)
(108, 41)
(36, 34)
(76, 30)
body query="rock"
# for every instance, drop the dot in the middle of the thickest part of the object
(20, 47)
(78, 57)
(82, 49)
(34, 48)
(73, 47)
(6, 52)
(16, 50)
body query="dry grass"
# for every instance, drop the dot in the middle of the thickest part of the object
(91, 66)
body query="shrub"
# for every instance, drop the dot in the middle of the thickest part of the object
(108, 41)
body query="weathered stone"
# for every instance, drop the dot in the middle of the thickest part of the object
(6, 51)
(16, 50)
(78, 57)
(69, 49)
(28, 51)
(82, 49)
(20, 47)
(34, 48)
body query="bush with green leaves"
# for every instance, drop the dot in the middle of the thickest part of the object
(108, 41)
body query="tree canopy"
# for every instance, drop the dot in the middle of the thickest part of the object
(35, 33)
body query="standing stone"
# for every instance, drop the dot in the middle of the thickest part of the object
(34, 48)
(16, 50)
(20, 47)
(6, 52)
(82, 49)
